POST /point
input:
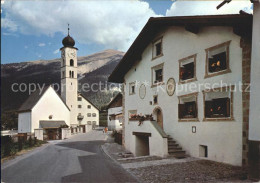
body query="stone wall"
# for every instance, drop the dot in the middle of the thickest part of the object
(246, 65)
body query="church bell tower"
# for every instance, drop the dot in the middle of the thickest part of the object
(69, 81)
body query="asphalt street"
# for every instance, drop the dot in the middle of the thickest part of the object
(78, 159)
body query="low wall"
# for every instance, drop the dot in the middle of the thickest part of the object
(38, 133)
(65, 133)
(88, 128)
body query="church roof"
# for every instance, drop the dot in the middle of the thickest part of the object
(241, 23)
(34, 98)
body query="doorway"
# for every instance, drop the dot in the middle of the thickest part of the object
(159, 116)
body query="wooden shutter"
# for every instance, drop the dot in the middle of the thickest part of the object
(181, 108)
(208, 106)
(194, 108)
(228, 107)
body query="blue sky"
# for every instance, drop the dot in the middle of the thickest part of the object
(34, 30)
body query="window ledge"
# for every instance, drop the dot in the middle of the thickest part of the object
(157, 84)
(189, 120)
(217, 119)
(187, 81)
(131, 94)
(157, 56)
(217, 73)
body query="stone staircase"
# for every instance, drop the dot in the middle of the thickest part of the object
(174, 149)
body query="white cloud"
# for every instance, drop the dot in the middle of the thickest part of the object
(9, 24)
(188, 8)
(114, 24)
(41, 44)
(56, 51)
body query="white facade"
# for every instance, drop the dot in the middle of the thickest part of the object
(89, 112)
(223, 138)
(254, 118)
(114, 118)
(69, 82)
(50, 104)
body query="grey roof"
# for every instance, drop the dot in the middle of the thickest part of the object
(32, 100)
(52, 124)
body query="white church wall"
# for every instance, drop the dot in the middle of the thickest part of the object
(50, 104)
(24, 122)
(224, 138)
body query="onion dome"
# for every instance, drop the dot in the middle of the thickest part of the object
(68, 41)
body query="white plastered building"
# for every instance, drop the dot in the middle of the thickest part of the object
(174, 53)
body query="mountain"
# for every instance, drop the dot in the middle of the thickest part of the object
(92, 69)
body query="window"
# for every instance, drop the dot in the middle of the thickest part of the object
(217, 60)
(218, 104)
(70, 74)
(79, 98)
(63, 74)
(94, 114)
(132, 88)
(131, 113)
(89, 114)
(71, 62)
(187, 69)
(157, 74)
(63, 62)
(187, 107)
(89, 122)
(157, 48)
(155, 99)
(79, 106)
(89, 106)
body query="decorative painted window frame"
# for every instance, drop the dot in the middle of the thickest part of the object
(130, 87)
(227, 88)
(196, 100)
(152, 75)
(160, 39)
(228, 70)
(195, 76)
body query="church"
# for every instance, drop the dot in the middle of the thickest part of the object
(47, 111)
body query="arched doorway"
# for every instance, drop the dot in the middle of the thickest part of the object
(158, 116)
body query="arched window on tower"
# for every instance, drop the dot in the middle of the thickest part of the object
(71, 62)
(63, 62)
(70, 74)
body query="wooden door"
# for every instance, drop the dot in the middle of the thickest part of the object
(159, 118)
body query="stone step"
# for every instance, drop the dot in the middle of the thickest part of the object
(178, 154)
(175, 150)
(171, 140)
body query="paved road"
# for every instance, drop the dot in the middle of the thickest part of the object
(78, 159)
